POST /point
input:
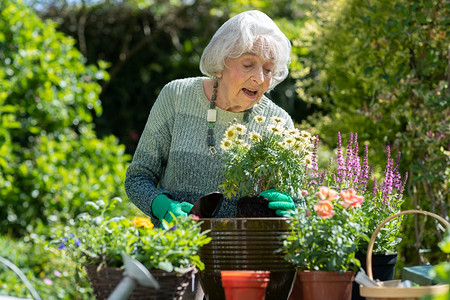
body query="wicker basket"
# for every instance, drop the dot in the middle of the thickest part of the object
(389, 289)
(172, 285)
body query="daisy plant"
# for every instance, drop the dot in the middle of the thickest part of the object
(270, 156)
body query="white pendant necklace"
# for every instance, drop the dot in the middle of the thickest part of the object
(212, 118)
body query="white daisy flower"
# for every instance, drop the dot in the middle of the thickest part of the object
(240, 129)
(290, 141)
(231, 133)
(260, 119)
(305, 134)
(275, 129)
(226, 144)
(308, 160)
(278, 121)
(255, 137)
(294, 132)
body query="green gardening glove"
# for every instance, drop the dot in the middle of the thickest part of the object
(282, 203)
(162, 206)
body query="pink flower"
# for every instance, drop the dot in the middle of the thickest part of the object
(324, 209)
(195, 217)
(48, 281)
(326, 193)
(351, 199)
(304, 193)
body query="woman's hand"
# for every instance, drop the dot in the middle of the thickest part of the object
(163, 206)
(282, 203)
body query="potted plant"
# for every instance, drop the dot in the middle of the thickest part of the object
(322, 243)
(96, 239)
(275, 158)
(383, 198)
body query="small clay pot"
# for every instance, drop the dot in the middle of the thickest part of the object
(254, 207)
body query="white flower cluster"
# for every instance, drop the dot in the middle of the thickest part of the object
(290, 139)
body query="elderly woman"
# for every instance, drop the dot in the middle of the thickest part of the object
(177, 159)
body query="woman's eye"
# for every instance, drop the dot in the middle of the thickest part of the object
(248, 66)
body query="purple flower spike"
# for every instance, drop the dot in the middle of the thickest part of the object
(374, 187)
(349, 160)
(340, 161)
(314, 165)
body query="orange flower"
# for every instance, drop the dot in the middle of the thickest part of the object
(326, 193)
(324, 209)
(351, 199)
(142, 222)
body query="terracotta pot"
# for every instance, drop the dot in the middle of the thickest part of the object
(246, 244)
(383, 267)
(323, 285)
(245, 285)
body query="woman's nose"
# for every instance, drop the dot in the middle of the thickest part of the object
(258, 75)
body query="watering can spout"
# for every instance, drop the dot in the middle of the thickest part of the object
(135, 273)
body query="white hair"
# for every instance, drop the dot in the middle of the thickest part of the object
(238, 35)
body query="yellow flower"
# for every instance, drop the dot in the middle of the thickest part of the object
(142, 222)
(226, 144)
(260, 119)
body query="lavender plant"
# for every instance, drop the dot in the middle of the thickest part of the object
(383, 196)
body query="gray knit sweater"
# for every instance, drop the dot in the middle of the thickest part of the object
(172, 156)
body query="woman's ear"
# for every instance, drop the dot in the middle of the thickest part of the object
(219, 75)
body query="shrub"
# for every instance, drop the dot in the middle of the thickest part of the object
(50, 158)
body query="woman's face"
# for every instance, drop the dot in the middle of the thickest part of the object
(244, 81)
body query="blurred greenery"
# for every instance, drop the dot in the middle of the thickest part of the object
(385, 75)
(78, 78)
(51, 161)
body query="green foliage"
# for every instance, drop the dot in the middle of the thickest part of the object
(441, 272)
(324, 234)
(382, 67)
(98, 237)
(274, 158)
(49, 271)
(50, 158)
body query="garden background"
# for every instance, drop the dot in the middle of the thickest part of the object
(78, 78)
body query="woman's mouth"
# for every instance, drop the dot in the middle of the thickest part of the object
(249, 93)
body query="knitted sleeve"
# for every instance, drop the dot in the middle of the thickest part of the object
(146, 169)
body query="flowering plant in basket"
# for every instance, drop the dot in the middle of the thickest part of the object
(98, 238)
(324, 233)
(272, 156)
(383, 196)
